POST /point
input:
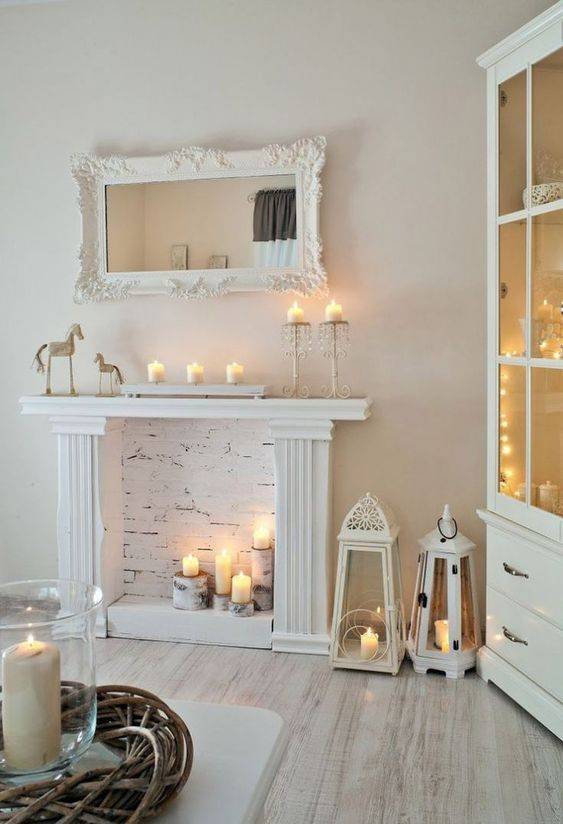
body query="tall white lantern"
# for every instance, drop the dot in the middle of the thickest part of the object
(368, 627)
(444, 633)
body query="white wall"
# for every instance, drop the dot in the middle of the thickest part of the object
(395, 89)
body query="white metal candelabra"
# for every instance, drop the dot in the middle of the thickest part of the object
(296, 338)
(334, 340)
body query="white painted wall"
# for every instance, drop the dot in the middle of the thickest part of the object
(395, 89)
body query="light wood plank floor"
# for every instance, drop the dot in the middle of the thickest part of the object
(363, 748)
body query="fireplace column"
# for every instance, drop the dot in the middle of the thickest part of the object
(303, 508)
(89, 513)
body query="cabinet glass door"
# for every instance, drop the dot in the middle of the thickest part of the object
(512, 431)
(547, 439)
(512, 143)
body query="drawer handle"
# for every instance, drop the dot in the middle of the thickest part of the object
(511, 637)
(512, 571)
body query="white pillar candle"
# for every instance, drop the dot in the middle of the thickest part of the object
(442, 634)
(295, 314)
(240, 591)
(333, 311)
(235, 372)
(155, 372)
(223, 573)
(545, 311)
(190, 566)
(195, 372)
(31, 704)
(369, 642)
(261, 538)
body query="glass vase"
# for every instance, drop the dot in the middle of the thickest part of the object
(48, 697)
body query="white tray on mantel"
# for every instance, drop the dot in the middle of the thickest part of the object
(195, 390)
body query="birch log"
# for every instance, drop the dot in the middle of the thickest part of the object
(190, 593)
(263, 578)
(241, 610)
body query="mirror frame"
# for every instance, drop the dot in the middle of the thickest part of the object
(305, 159)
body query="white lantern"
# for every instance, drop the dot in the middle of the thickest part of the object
(368, 627)
(444, 633)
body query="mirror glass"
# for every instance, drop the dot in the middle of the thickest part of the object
(220, 223)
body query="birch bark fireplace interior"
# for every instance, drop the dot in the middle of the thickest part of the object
(278, 459)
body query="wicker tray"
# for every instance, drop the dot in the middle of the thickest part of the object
(155, 753)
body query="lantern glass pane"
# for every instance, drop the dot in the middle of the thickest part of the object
(438, 630)
(467, 612)
(363, 602)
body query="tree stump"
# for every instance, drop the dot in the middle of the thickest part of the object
(241, 610)
(263, 578)
(220, 602)
(190, 593)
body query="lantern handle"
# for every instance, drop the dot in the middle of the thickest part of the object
(447, 537)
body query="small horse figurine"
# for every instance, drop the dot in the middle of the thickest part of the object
(108, 369)
(59, 349)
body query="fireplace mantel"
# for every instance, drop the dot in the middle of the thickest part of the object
(90, 516)
(309, 409)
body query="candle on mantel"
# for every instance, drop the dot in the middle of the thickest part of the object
(295, 314)
(545, 311)
(261, 538)
(223, 573)
(190, 566)
(195, 372)
(369, 642)
(442, 634)
(235, 372)
(240, 590)
(333, 312)
(31, 704)
(155, 371)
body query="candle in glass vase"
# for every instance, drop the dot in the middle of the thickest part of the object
(31, 704)
(195, 372)
(545, 311)
(295, 314)
(548, 496)
(442, 635)
(369, 642)
(235, 372)
(190, 566)
(333, 312)
(223, 573)
(240, 590)
(155, 371)
(261, 538)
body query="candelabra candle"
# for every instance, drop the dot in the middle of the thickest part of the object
(296, 339)
(334, 340)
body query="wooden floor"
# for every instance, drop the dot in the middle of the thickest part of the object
(415, 749)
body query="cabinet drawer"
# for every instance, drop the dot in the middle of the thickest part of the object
(541, 657)
(539, 584)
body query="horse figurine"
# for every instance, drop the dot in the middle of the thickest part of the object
(108, 369)
(59, 349)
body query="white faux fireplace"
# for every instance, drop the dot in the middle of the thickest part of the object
(90, 517)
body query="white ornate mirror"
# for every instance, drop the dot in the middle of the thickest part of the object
(198, 223)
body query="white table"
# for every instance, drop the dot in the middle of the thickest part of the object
(237, 751)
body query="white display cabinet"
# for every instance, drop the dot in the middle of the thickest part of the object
(524, 649)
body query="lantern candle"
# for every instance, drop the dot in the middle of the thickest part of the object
(369, 642)
(223, 573)
(190, 566)
(195, 372)
(155, 371)
(240, 590)
(333, 312)
(442, 635)
(295, 314)
(234, 372)
(31, 704)
(261, 538)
